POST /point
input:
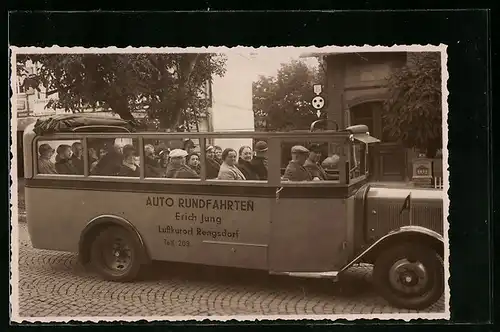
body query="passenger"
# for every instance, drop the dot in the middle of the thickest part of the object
(77, 157)
(312, 163)
(102, 153)
(218, 154)
(177, 159)
(330, 165)
(177, 167)
(228, 169)
(110, 162)
(189, 169)
(64, 164)
(129, 166)
(189, 146)
(212, 166)
(152, 168)
(163, 155)
(295, 170)
(244, 163)
(259, 161)
(93, 159)
(45, 165)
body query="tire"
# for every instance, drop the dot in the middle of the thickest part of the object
(113, 241)
(409, 276)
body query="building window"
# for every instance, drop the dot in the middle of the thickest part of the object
(363, 114)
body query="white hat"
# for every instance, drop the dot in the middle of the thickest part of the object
(178, 153)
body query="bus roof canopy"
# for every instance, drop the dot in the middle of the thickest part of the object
(70, 122)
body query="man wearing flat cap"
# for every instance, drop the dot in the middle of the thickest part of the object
(176, 157)
(295, 170)
(259, 161)
(312, 163)
(177, 167)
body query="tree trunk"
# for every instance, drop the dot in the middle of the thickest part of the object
(432, 150)
(186, 67)
(120, 107)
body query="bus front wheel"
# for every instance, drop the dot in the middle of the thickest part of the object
(115, 254)
(409, 276)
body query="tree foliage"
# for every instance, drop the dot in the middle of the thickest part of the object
(414, 111)
(283, 102)
(168, 86)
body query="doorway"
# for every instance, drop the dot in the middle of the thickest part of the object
(388, 160)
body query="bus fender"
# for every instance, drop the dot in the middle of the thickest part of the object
(92, 228)
(403, 234)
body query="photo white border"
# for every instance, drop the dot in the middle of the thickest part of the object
(14, 282)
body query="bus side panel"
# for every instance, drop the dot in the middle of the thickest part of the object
(308, 235)
(55, 218)
(211, 230)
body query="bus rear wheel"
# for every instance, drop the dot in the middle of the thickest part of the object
(409, 276)
(115, 254)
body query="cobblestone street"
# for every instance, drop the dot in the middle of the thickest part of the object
(54, 284)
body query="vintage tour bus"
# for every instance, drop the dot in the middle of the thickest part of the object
(80, 199)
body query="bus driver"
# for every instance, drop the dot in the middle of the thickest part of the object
(295, 171)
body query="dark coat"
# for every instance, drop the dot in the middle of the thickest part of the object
(259, 166)
(246, 168)
(315, 170)
(127, 171)
(152, 168)
(64, 166)
(110, 164)
(296, 172)
(186, 172)
(78, 163)
(212, 168)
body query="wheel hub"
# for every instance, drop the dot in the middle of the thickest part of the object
(118, 257)
(408, 277)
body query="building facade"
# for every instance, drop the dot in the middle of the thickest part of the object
(355, 94)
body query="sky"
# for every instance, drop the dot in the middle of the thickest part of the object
(267, 61)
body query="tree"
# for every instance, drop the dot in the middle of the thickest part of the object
(413, 111)
(283, 102)
(167, 86)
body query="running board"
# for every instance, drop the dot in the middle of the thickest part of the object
(317, 275)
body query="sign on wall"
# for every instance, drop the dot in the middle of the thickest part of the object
(318, 102)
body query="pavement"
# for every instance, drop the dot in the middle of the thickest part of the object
(55, 284)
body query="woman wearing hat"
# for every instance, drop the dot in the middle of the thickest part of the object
(244, 165)
(163, 156)
(212, 165)
(259, 161)
(45, 165)
(152, 168)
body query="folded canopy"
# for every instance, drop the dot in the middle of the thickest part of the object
(70, 122)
